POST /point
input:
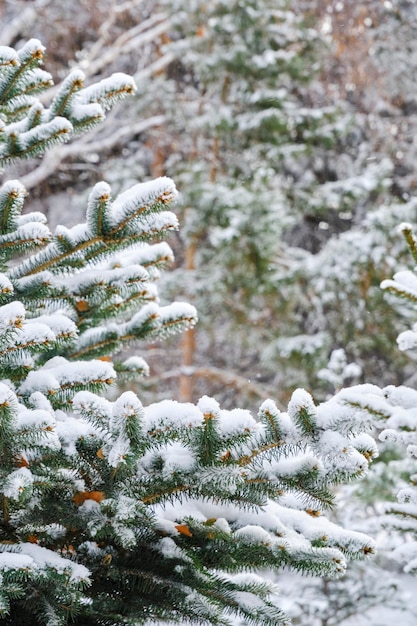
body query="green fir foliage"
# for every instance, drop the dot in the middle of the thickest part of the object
(112, 512)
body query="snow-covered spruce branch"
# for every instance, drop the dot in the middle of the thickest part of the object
(27, 128)
(87, 145)
(109, 507)
(135, 216)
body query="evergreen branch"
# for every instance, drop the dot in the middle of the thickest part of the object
(158, 502)
(73, 83)
(399, 290)
(407, 231)
(30, 55)
(248, 458)
(55, 261)
(103, 347)
(11, 202)
(35, 140)
(98, 246)
(156, 497)
(88, 145)
(273, 425)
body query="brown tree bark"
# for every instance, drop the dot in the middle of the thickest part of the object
(186, 382)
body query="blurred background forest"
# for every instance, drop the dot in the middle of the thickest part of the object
(290, 131)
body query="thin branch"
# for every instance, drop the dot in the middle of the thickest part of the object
(155, 67)
(100, 56)
(218, 375)
(132, 39)
(19, 24)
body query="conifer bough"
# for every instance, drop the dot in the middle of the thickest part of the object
(111, 512)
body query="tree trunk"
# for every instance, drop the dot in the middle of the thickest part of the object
(186, 383)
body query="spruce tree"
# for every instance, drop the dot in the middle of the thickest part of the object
(252, 169)
(112, 512)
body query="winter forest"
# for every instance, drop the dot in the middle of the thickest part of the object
(208, 313)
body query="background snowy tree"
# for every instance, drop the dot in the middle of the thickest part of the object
(394, 411)
(266, 181)
(338, 296)
(389, 491)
